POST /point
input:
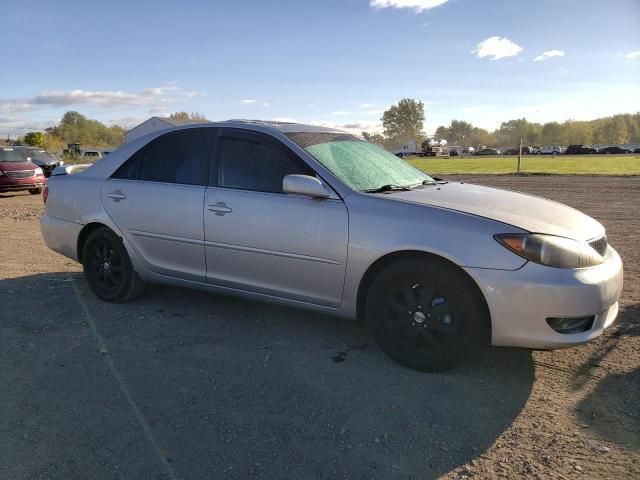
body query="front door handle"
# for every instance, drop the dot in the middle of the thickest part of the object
(220, 208)
(117, 195)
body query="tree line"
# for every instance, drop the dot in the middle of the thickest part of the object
(76, 128)
(404, 121)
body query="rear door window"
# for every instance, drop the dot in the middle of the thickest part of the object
(180, 157)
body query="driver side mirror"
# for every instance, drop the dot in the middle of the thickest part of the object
(304, 185)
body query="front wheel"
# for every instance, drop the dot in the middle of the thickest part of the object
(108, 269)
(35, 191)
(425, 313)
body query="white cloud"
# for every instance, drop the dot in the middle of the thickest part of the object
(153, 98)
(497, 48)
(340, 113)
(266, 104)
(353, 127)
(417, 5)
(286, 119)
(248, 101)
(549, 54)
(367, 105)
(635, 54)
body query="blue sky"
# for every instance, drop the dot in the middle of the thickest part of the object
(335, 62)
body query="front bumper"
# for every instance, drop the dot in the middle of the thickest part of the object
(520, 301)
(8, 184)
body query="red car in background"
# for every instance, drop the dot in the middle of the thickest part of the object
(16, 174)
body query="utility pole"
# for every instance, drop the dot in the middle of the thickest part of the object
(519, 157)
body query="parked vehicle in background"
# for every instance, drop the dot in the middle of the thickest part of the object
(614, 150)
(18, 174)
(550, 150)
(454, 152)
(487, 151)
(580, 150)
(516, 151)
(406, 149)
(91, 155)
(40, 157)
(637, 150)
(469, 150)
(433, 267)
(433, 149)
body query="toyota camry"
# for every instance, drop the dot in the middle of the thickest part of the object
(317, 218)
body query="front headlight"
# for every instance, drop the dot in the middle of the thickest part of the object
(38, 171)
(549, 250)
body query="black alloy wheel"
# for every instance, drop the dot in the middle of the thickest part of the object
(108, 269)
(425, 313)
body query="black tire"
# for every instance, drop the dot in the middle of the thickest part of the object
(108, 269)
(400, 155)
(425, 314)
(35, 191)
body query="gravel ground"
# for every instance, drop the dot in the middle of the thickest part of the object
(181, 384)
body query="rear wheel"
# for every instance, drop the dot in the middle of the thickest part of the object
(108, 269)
(424, 313)
(35, 191)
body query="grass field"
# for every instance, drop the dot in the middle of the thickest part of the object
(578, 164)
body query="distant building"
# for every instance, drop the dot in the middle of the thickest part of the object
(154, 124)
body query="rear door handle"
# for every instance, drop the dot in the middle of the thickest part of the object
(220, 208)
(117, 195)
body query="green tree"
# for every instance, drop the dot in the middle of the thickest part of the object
(459, 131)
(374, 138)
(442, 133)
(615, 131)
(479, 137)
(184, 116)
(76, 128)
(33, 138)
(552, 134)
(578, 132)
(404, 121)
(512, 131)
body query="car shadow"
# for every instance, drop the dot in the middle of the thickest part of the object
(234, 388)
(611, 408)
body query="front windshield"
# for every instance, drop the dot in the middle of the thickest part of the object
(37, 154)
(10, 155)
(360, 165)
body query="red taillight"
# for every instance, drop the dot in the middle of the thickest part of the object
(45, 194)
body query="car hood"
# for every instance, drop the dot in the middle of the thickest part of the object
(44, 161)
(531, 213)
(11, 166)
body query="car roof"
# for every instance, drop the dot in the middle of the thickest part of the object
(282, 127)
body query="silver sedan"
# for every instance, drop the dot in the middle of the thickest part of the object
(320, 219)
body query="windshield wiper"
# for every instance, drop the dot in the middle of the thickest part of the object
(388, 188)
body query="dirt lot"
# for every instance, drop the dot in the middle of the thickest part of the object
(181, 384)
